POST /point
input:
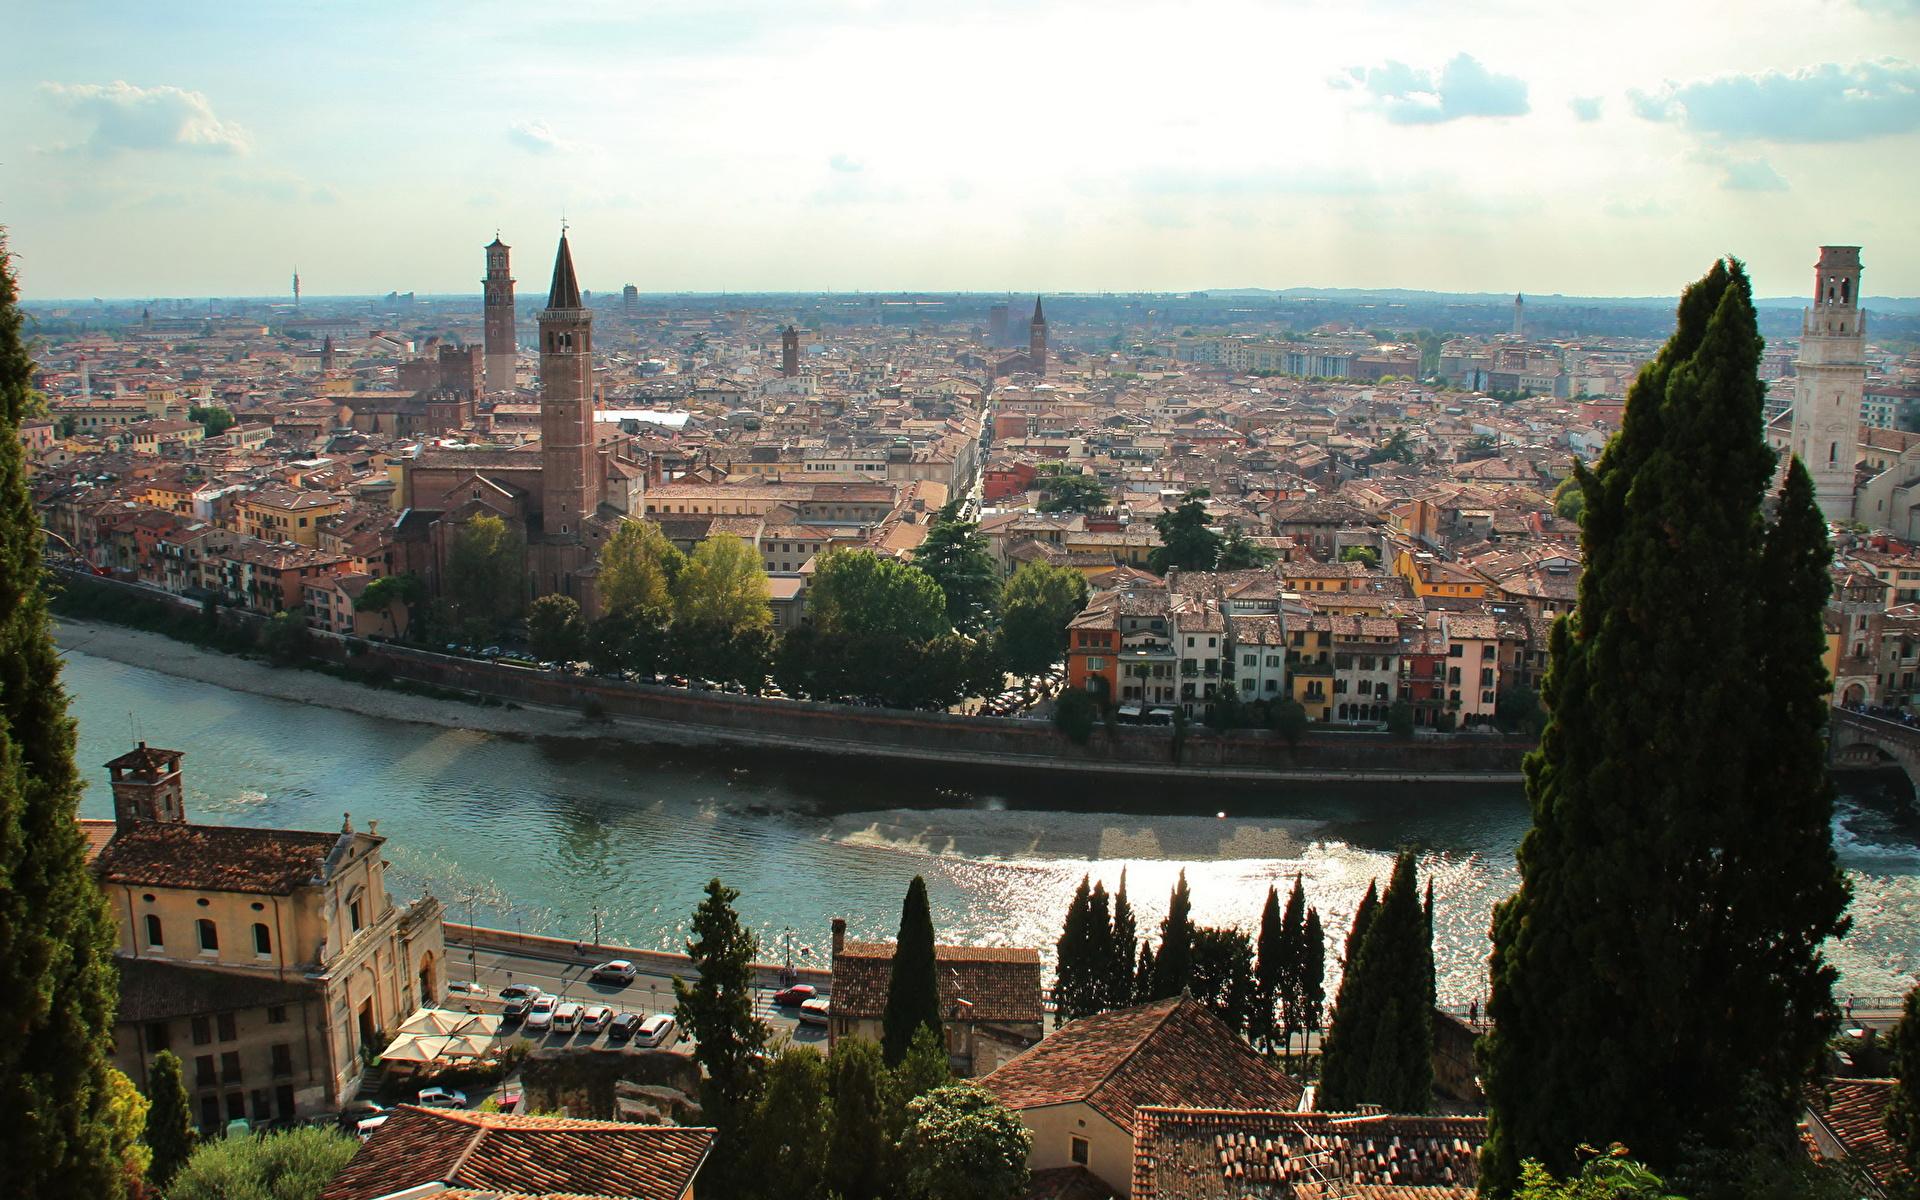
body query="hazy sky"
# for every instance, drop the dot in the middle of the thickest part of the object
(1579, 146)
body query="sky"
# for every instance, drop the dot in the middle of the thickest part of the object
(1611, 147)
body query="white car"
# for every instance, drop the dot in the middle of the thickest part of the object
(466, 987)
(595, 1019)
(618, 971)
(439, 1097)
(566, 1018)
(540, 1014)
(656, 1030)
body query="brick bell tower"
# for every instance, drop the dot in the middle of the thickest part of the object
(147, 786)
(567, 456)
(498, 290)
(1037, 340)
(1830, 379)
(790, 352)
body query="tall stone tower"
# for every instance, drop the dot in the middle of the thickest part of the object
(1830, 378)
(567, 457)
(499, 308)
(147, 786)
(326, 355)
(1519, 315)
(1037, 340)
(296, 289)
(790, 352)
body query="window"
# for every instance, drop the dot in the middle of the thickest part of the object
(1250, 660)
(262, 940)
(282, 1060)
(203, 1075)
(158, 1036)
(202, 1031)
(1456, 650)
(226, 1025)
(230, 1067)
(1486, 652)
(277, 1014)
(209, 1112)
(1486, 677)
(1077, 1149)
(1273, 660)
(1096, 663)
(154, 937)
(236, 1106)
(353, 915)
(209, 936)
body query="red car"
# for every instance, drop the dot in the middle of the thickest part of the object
(796, 995)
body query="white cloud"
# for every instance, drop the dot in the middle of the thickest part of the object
(1827, 102)
(535, 137)
(1464, 88)
(841, 162)
(1585, 108)
(126, 117)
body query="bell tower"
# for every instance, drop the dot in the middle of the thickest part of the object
(1830, 379)
(567, 456)
(498, 292)
(790, 352)
(147, 786)
(1037, 340)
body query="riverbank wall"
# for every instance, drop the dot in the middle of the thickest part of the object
(648, 712)
(583, 954)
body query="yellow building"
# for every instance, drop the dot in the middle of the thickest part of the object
(268, 960)
(1310, 665)
(283, 514)
(1428, 576)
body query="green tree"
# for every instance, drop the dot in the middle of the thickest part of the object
(924, 1068)
(1186, 542)
(1380, 1050)
(1036, 604)
(1569, 500)
(1120, 944)
(1288, 717)
(857, 1143)
(1703, 884)
(631, 639)
(1610, 1176)
(1361, 554)
(1518, 708)
(637, 566)
(1272, 972)
(956, 557)
(295, 1165)
(1220, 974)
(1072, 970)
(723, 586)
(1173, 965)
(554, 628)
(389, 592)
(859, 593)
(1396, 447)
(1293, 950)
(213, 418)
(1075, 713)
(127, 1121)
(913, 989)
(56, 935)
(1400, 718)
(790, 1126)
(1066, 489)
(962, 1144)
(1313, 972)
(1903, 1114)
(485, 580)
(169, 1120)
(1237, 553)
(716, 1010)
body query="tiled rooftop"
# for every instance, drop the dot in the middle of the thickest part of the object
(213, 858)
(1002, 983)
(1224, 1154)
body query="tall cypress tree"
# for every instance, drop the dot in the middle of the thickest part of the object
(1380, 1050)
(1143, 973)
(1679, 878)
(56, 937)
(1335, 1069)
(1173, 966)
(1903, 1113)
(913, 991)
(1070, 973)
(1313, 971)
(1269, 972)
(1120, 966)
(170, 1121)
(716, 1009)
(1293, 940)
(1099, 950)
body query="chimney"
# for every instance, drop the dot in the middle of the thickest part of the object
(839, 935)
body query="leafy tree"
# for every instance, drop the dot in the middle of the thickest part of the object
(1609, 1176)
(1903, 1114)
(1288, 718)
(1065, 489)
(285, 638)
(1361, 554)
(1518, 708)
(295, 1165)
(390, 592)
(913, 989)
(1036, 605)
(554, 628)
(637, 568)
(1186, 542)
(1075, 714)
(1237, 553)
(169, 1119)
(723, 585)
(56, 936)
(857, 1143)
(631, 639)
(1569, 499)
(924, 1068)
(1221, 975)
(956, 557)
(1380, 1050)
(485, 578)
(1313, 972)
(1173, 965)
(1701, 885)
(716, 1010)
(1400, 718)
(962, 1144)
(1397, 447)
(705, 650)
(859, 593)
(789, 1131)
(213, 418)
(127, 1121)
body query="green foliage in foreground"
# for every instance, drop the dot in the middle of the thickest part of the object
(295, 1165)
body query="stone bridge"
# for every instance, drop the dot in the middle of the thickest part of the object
(1855, 739)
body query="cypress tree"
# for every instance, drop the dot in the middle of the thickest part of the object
(1380, 1050)
(1293, 935)
(1173, 966)
(857, 1137)
(1269, 972)
(1070, 984)
(716, 1010)
(1143, 973)
(56, 937)
(1335, 1069)
(169, 1121)
(1903, 1114)
(1679, 878)
(1313, 971)
(1099, 950)
(913, 991)
(1120, 990)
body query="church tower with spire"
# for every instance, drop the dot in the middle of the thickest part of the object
(1037, 340)
(1830, 379)
(498, 292)
(569, 485)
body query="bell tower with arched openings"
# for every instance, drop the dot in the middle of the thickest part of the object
(567, 456)
(1830, 380)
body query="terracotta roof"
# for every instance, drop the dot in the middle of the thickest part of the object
(1855, 1111)
(1219, 1154)
(1067, 1183)
(98, 833)
(1002, 983)
(154, 989)
(496, 1153)
(1171, 1052)
(214, 858)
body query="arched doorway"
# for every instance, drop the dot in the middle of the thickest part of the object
(428, 993)
(1854, 696)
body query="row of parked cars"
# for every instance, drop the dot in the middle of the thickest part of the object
(539, 1012)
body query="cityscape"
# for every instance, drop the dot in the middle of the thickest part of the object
(524, 697)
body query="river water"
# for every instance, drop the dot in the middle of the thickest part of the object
(538, 834)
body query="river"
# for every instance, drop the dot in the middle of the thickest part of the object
(537, 834)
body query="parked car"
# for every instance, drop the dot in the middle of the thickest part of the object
(623, 1026)
(518, 1008)
(618, 971)
(798, 994)
(465, 987)
(595, 1019)
(814, 1011)
(566, 1018)
(439, 1097)
(540, 1013)
(358, 1111)
(519, 991)
(365, 1128)
(656, 1030)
